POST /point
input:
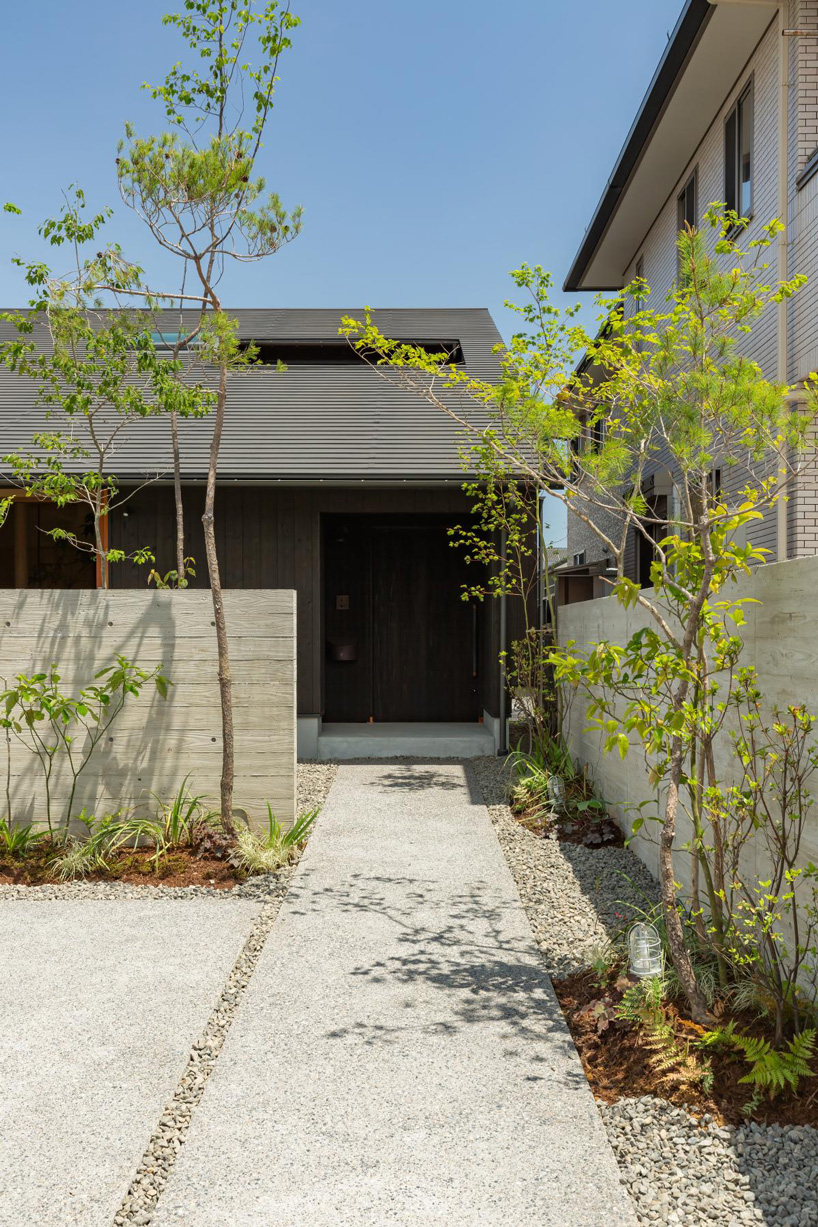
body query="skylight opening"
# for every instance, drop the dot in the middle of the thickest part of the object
(167, 341)
(340, 352)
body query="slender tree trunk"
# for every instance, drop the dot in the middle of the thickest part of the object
(177, 495)
(670, 903)
(696, 814)
(101, 555)
(225, 683)
(8, 777)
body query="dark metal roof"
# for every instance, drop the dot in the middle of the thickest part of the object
(332, 422)
(687, 31)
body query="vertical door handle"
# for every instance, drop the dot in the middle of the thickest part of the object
(474, 639)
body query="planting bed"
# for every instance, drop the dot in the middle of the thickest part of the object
(685, 1163)
(617, 1064)
(180, 872)
(178, 868)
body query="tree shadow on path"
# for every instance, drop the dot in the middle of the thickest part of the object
(453, 960)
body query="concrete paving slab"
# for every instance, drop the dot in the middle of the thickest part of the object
(101, 1001)
(399, 1056)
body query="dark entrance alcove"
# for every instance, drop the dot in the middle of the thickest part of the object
(401, 644)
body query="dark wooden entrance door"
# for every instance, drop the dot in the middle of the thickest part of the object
(425, 640)
(393, 605)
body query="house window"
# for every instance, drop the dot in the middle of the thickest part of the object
(686, 212)
(579, 559)
(653, 530)
(738, 155)
(639, 299)
(598, 432)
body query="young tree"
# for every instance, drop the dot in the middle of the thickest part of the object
(506, 539)
(197, 190)
(97, 373)
(661, 391)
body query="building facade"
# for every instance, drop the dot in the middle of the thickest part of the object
(731, 115)
(333, 482)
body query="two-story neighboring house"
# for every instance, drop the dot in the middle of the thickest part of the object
(731, 115)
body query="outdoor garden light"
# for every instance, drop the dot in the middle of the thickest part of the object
(645, 950)
(556, 792)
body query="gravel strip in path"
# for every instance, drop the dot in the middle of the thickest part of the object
(314, 780)
(313, 784)
(680, 1171)
(171, 1132)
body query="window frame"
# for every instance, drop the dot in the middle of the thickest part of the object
(734, 115)
(639, 274)
(691, 184)
(692, 180)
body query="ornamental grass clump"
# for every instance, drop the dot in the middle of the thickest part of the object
(78, 857)
(276, 847)
(183, 823)
(18, 840)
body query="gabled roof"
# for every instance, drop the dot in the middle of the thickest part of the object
(708, 49)
(313, 422)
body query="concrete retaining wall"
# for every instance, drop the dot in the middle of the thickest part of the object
(781, 641)
(155, 743)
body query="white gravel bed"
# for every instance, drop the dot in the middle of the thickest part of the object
(688, 1172)
(680, 1171)
(575, 897)
(313, 784)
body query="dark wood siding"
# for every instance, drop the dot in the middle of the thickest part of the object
(270, 537)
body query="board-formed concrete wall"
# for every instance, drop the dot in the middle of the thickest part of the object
(156, 742)
(781, 642)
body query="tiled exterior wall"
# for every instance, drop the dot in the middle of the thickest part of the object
(804, 16)
(802, 509)
(658, 250)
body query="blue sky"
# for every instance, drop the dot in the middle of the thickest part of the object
(433, 145)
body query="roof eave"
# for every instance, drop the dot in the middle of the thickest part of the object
(686, 33)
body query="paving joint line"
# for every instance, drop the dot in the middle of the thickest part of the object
(160, 1154)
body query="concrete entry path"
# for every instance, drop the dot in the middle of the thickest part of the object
(399, 1056)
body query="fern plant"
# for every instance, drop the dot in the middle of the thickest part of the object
(777, 1069)
(674, 1060)
(643, 1001)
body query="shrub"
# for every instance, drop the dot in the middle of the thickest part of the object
(765, 927)
(54, 726)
